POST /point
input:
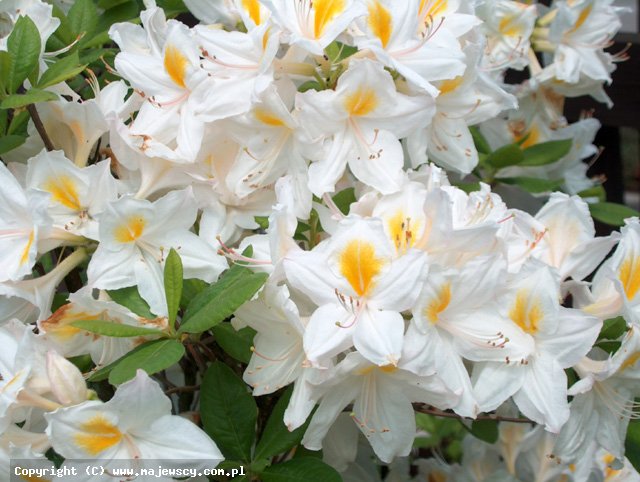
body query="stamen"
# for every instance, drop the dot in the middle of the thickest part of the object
(332, 206)
(170, 103)
(234, 256)
(283, 358)
(471, 111)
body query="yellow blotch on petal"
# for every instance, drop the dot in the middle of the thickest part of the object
(63, 190)
(508, 26)
(531, 137)
(359, 265)
(365, 371)
(59, 326)
(582, 18)
(266, 117)
(630, 276)
(380, 22)
(608, 471)
(448, 86)
(361, 102)
(325, 12)
(385, 369)
(25, 252)
(388, 368)
(253, 9)
(630, 362)
(175, 63)
(97, 435)
(402, 231)
(432, 8)
(131, 230)
(525, 314)
(439, 303)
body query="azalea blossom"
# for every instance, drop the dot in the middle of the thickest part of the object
(360, 291)
(133, 425)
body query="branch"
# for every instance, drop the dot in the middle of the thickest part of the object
(418, 407)
(188, 388)
(37, 122)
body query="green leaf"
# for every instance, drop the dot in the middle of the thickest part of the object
(613, 328)
(5, 68)
(222, 299)
(276, 438)
(436, 429)
(611, 213)
(263, 221)
(62, 70)
(310, 85)
(235, 343)
(83, 362)
(486, 430)
(130, 298)
(190, 289)
(19, 123)
(173, 8)
(508, 155)
(115, 330)
(152, 357)
(173, 284)
(91, 55)
(546, 153)
(23, 46)
(344, 199)
(228, 412)
(468, 187)
(32, 96)
(4, 121)
(115, 12)
(632, 444)
(595, 191)
(481, 143)
(83, 18)
(109, 4)
(63, 36)
(609, 346)
(303, 468)
(337, 51)
(103, 373)
(8, 143)
(533, 185)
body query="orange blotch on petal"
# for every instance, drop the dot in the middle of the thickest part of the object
(630, 276)
(439, 304)
(359, 265)
(380, 22)
(97, 435)
(25, 252)
(131, 230)
(361, 102)
(63, 190)
(526, 313)
(175, 63)
(325, 12)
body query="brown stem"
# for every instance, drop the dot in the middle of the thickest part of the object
(210, 354)
(440, 413)
(188, 388)
(163, 378)
(37, 122)
(197, 357)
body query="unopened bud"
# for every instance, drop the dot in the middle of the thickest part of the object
(67, 382)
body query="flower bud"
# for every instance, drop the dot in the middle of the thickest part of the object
(67, 383)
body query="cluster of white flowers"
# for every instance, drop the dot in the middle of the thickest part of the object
(418, 293)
